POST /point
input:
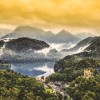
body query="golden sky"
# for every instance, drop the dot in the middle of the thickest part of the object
(83, 14)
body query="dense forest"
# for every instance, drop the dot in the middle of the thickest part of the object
(14, 86)
(84, 89)
(72, 69)
(72, 73)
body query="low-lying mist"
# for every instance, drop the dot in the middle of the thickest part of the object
(61, 46)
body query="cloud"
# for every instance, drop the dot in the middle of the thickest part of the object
(66, 13)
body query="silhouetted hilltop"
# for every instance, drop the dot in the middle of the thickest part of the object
(22, 44)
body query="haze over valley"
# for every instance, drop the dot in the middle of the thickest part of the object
(31, 44)
(49, 50)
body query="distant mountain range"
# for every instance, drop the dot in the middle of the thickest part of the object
(48, 36)
(37, 33)
(84, 35)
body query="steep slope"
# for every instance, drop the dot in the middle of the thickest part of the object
(94, 46)
(82, 45)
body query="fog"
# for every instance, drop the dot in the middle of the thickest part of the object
(44, 51)
(61, 46)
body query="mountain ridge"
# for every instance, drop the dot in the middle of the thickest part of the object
(37, 33)
(82, 44)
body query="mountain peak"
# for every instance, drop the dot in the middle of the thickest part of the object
(64, 32)
(50, 32)
(22, 27)
(37, 33)
(28, 28)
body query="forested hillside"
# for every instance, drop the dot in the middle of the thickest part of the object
(14, 86)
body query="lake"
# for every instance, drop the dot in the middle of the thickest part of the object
(34, 69)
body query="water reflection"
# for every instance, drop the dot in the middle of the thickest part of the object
(33, 69)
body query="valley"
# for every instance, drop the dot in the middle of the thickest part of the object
(49, 49)
(58, 65)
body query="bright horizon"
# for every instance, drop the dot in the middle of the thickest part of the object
(74, 16)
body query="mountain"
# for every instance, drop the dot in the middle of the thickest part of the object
(80, 70)
(37, 33)
(30, 32)
(64, 33)
(3, 32)
(23, 44)
(84, 35)
(91, 51)
(70, 67)
(25, 31)
(27, 49)
(65, 37)
(82, 45)
(94, 45)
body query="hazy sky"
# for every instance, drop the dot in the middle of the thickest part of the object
(74, 15)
